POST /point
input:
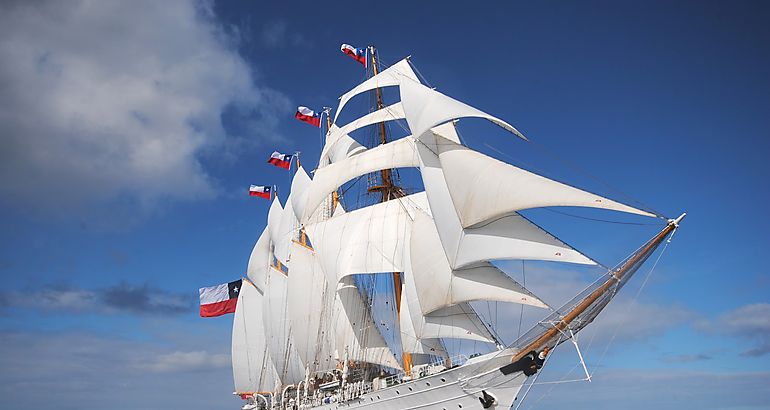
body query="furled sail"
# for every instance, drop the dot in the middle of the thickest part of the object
(310, 303)
(253, 370)
(483, 188)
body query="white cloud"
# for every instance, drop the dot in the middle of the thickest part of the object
(116, 101)
(632, 389)
(186, 361)
(751, 322)
(120, 298)
(85, 371)
(276, 34)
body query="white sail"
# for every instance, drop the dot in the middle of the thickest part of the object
(299, 186)
(426, 108)
(280, 340)
(367, 240)
(356, 333)
(274, 220)
(310, 303)
(456, 321)
(505, 238)
(391, 76)
(389, 113)
(483, 188)
(259, 261)
(253, 370)
(438, 285)
(338, 147)
(513, 237)
(286, 232)
(396, 154)
(411, 342)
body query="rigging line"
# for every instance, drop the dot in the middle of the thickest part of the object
(419, 74)
(537, 375)
(493, 332)
(601, 220)
(524, 284)
(584, 291)
(554, 383)
(634, 300)
(351, 184)
(561, 240)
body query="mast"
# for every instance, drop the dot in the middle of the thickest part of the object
(386, 187)
(336, 193)
(388, 191)
(616, 277)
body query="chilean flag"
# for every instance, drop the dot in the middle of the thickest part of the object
(309, 116)
(358, 54)
(280, 160)
(219, 300)
(260, 191)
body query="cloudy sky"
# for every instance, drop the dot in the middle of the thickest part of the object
(129, 132)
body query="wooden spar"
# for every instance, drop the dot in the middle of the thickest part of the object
(336, 193)
(386, 186)
(389, 191)
(542, 341)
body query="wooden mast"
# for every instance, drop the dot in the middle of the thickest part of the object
(389, 191)
(615, 277)
(336, 193)
(386, 186)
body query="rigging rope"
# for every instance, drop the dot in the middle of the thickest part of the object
(635, 298)
(601, 220)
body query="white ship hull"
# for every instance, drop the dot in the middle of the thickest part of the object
(457, 388)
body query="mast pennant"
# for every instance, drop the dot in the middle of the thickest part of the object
(309, 116)
(358, 54)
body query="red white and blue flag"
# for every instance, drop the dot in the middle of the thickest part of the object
(309, 116)
(280, 160)
(260, 191)
(357, 54)
(219, 300)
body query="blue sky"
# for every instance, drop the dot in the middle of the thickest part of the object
(129, 133)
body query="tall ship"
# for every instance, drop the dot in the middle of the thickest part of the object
(351, 242)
